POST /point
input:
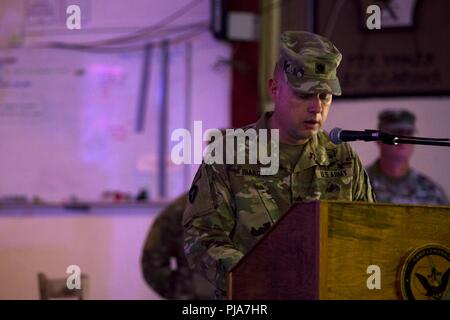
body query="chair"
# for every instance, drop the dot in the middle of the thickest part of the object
(57, 288)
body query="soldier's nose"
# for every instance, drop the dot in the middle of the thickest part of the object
(314, 105)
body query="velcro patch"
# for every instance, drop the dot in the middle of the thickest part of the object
(320, 68)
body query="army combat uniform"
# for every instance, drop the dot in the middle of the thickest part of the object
(413, 188)
(164, 264)
(232, 206)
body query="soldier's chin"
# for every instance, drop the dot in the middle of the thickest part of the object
(305, 134)
(309, 131)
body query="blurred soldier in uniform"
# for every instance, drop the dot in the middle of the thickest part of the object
(164, 264)
(391, 176)
(231, 206)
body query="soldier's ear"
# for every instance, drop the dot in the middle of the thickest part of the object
(274, 88)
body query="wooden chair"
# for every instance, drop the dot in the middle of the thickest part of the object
(57, 288)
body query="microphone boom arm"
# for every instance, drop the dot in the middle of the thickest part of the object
(391, 139)
(337, 135)
(426, 142)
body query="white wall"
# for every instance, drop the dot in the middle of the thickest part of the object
(433, 117)
(106, 245)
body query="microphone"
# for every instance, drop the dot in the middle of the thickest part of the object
(337, 135)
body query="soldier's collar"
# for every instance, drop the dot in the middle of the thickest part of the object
(314, 154)
(390, 179)
(263, 121)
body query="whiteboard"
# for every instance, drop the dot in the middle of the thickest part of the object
(67, 122)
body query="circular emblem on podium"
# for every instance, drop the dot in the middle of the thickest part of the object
(425, 273)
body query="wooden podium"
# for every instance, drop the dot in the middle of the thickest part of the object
(322, 250)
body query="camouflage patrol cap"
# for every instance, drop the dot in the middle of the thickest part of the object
(396, 120)
(309, 62)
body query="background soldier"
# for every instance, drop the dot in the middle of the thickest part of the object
(232, 206)
(164, 264)
(391, 176)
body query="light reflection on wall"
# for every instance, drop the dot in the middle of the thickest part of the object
(106, 119)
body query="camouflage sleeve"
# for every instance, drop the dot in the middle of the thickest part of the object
(435, 193)
(208, 222)
(362, 189)
(159, 248)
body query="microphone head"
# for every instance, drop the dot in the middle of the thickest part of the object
(334, 135)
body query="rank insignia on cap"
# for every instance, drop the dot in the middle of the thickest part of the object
(320, 68)
(296, 71)
(193, 193)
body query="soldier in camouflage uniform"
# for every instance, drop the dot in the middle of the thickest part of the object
(391, 177)
(164, 264)
(231, 206)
